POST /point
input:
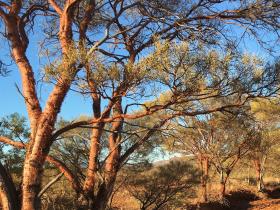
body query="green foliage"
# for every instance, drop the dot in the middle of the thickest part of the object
(65, 66)
(14, 127)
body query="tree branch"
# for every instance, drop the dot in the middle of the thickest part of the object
(8, 141)
(66, 171)
(54, 180)
(60, 165)
(55, 6)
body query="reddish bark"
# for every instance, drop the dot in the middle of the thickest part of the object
(92, 162)
(42, 123)
(40, 142)
(97, 130)
(111, 163)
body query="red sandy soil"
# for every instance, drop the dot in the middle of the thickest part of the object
(270, 204)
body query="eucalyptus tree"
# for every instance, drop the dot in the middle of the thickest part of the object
(100, 48)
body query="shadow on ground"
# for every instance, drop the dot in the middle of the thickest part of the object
(237, 200)
(273, 192)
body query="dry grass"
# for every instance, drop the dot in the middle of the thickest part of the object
(240, 195)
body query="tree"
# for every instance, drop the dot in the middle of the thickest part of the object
(176, 61)
(233, 139)
(187, 138)
(266, 113)
(75, 51)
(218, 140)
(159, 186)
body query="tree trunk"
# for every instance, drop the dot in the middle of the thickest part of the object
(92, 163)
(248, 175)
(41, 123)
(259, 175)
(106, 188)
(205, 179)
(222, 185)
(260, 183)
(111, 163)
(204, 167)
(8, 194)
(104, 193)
(38, 147)
(223, 182)
(32, 170)
(223, 189)
(32, 173)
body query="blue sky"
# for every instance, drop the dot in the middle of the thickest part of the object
(12, 101)
(74, 105)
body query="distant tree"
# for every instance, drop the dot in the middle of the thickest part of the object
(266, 113)
(186, 138)
(232, 140)
(218, 140)
(162, 185)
